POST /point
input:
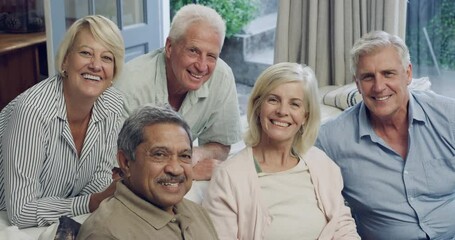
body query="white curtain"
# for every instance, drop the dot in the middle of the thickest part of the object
(320, 33)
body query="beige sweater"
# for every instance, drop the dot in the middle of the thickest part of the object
(235, 206)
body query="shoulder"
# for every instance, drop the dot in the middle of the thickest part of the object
(194, 210)
(222, 74)
(240, 161)
(112, 100)
(140, 70)
(144, 60)
(434, 101)
(37, 100)
(319, 157)
(342, 124)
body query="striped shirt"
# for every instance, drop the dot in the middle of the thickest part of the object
(41, 175)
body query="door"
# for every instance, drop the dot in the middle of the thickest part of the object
(144, 23)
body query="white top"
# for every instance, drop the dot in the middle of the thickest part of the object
(292, 204)
(41, 175)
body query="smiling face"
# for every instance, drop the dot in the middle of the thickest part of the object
(161, 173)
(89, 67)
(382, 81)
(190, 61)
(282, 113)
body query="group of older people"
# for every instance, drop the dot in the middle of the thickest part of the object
(389, 160)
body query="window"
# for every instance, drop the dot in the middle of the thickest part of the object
(430, 36)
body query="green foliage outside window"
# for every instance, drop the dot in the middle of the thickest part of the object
(236, 13)
(443, 27)
(441, 33)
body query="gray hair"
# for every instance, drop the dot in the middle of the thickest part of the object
(271, 78)
(375, 40)
(192, 14)
(132, 132)
(103, 30)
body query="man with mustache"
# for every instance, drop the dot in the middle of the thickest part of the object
(154, 155)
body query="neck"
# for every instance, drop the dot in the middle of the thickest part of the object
(274, 158)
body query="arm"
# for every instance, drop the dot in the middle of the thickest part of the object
(340, 224)
(105, 171)
(221, 206)
(29, 200)
(206, 158)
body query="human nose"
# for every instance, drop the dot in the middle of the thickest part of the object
(201, 65)
(379, 83)
(282, 109)
(174, 166)
(95, 63)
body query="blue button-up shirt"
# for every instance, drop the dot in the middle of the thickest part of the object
(392, 197)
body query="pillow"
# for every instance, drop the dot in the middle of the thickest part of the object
(348, 95)
(342, 97)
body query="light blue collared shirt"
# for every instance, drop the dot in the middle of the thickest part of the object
(393, 198)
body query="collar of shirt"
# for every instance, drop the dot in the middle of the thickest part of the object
(149, 212)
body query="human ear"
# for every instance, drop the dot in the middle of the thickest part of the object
(123, 163)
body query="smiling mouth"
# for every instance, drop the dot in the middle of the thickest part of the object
(169, 184)
(91, 77)
(382, 98)
(196, 76)
(280, 124)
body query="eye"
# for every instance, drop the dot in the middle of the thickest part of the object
(213, 57)
(272, 100)
(367, 78)
(186, 158)
(159, 156)
(193, 51)
(295, 104)
(108, 59)
(86, 54)
(388, 74)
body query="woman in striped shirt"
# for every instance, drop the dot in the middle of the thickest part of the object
(58, 138)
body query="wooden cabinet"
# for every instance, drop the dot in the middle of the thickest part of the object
(23, 62)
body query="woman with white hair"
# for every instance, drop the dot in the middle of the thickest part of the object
(280, 186)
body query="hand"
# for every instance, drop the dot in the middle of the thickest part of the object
(97, 198)
(203, 169)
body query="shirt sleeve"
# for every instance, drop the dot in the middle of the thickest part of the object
(224, 123)
(220, 205)
(23, 148)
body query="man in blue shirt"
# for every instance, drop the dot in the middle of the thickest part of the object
(396, 149)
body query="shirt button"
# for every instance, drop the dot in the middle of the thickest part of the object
(173, 220)
(411, 199)
(406, 172)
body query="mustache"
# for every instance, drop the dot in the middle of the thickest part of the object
(171, 178)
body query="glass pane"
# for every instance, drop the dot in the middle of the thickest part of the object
(75, 9)
(133, 12)
(430, 36)
(107, 8)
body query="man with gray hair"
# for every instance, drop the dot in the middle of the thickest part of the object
(154, 155)
(396, 149)
(189, 75)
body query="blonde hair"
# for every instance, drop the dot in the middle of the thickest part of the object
(273, 77)
(103, 30)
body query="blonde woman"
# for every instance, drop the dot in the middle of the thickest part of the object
(280, 186)
(58, 138)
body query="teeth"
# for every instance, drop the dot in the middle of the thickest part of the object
(281, 124)
(382, 98)
(91, 77)
(196, 76)
(169, 184)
